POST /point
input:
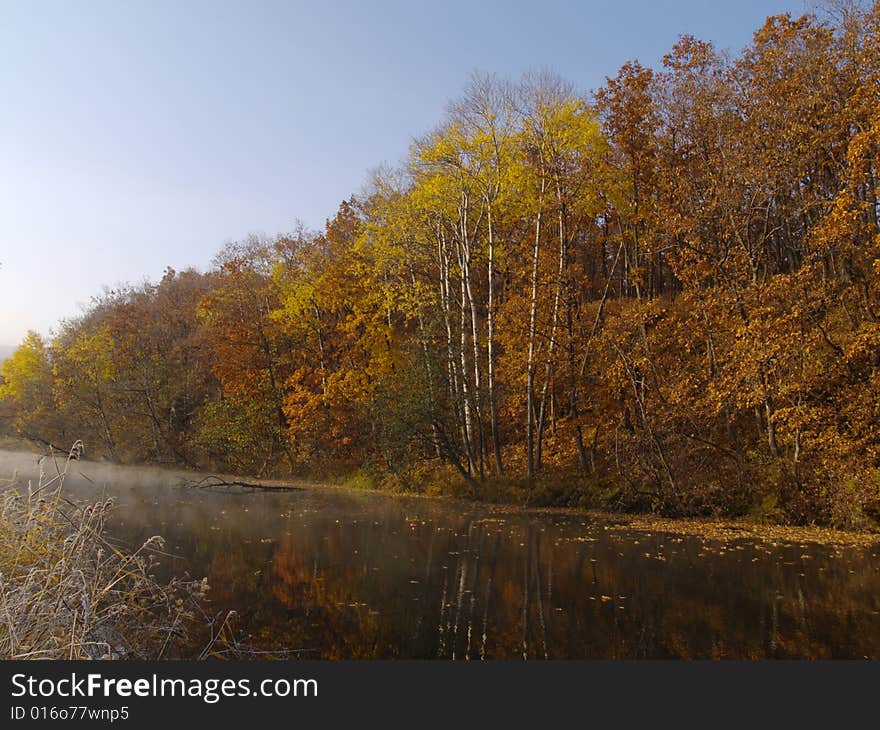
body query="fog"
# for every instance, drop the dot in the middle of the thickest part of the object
(83, 475)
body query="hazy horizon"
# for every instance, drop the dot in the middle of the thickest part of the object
(138, 137)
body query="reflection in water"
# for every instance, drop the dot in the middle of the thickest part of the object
(358, 575)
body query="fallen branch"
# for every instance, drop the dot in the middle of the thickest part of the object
(217, 483)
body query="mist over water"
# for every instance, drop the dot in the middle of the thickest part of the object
(85, 477)
(350, 574)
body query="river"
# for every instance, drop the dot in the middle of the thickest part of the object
(344, 574)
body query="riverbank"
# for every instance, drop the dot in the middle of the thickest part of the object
(508, 497)
(709, 528)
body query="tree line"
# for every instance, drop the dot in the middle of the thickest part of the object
(662, 295)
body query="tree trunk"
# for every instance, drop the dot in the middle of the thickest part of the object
(490, 347)
(530, 371)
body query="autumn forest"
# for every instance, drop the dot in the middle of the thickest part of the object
(662, 296)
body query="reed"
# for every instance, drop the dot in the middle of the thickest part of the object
(67, 591)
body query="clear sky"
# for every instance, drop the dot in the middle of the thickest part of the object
(140, 135)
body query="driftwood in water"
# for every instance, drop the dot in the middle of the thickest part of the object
(215, 482)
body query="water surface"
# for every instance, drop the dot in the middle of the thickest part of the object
(351, 574)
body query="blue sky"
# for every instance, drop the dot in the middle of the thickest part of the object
(138, 135)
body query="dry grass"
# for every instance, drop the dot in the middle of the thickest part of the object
(66, 592)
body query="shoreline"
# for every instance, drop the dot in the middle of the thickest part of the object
(714, 528)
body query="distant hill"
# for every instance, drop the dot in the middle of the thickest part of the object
(5, 352)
